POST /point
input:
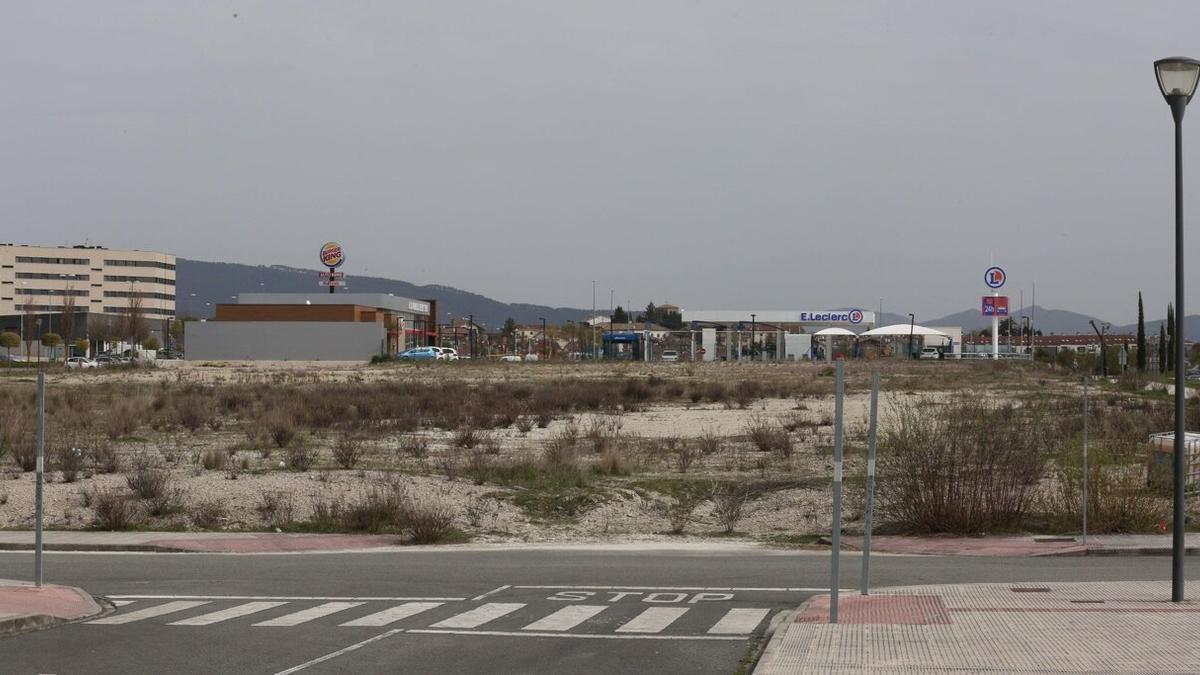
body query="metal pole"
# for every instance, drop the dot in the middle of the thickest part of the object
(837, 492)
(1178, 103)
(871, 439)
(41, 468)
(1085, 459)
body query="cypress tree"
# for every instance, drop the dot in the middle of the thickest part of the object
(1141, 337)
(1170, 339)
(1162, 350)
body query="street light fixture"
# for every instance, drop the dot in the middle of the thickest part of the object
(753, 320)
(1177, 78)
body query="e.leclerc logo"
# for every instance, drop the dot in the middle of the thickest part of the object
(331, 254)
(856, 316)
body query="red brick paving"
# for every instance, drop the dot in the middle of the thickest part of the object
(62, 602)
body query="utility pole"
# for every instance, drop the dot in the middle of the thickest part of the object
(471, 335)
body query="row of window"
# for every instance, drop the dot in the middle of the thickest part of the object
(145, 310)
(140, 280)
(53, 277)
(54, 291)
(139, 294)
(52, 261)
(139, 263)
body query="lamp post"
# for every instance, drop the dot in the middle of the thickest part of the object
(912, 322)
(543, 320)
(1177, 79)
(753, 318)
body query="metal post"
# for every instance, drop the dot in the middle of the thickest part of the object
(471, 334)
(1085, 459)
(871, 440)
(837, 492)
(41, 468)
(1178, 103)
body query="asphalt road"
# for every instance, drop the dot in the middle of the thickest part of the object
(455, 611)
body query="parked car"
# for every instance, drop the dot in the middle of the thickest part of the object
(448, 353)
(670, 356)
(511, 358)
(106, 360)
(420, 354)
(931, 353)
(81, 362)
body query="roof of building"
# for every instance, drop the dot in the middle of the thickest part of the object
(380, 300)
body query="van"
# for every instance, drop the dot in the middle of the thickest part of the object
(670, 356)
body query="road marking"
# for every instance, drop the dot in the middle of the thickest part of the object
(305, 615)
(566, 618)
(226, 614)
(480, 615)
(585, 636)
(122, 603)
(689, 588)
(345, 650)
(739, 621)
(393, 614)
(653, 620)
(147, 613)
(279, 597)
(491, 592)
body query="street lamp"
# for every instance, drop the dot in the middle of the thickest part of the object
(753, 318)
(912, 322)
(543, 320)
(1177, 79)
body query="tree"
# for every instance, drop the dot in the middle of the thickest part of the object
(8, 340)
(1141, 337)
(68, 314)
(1162, 349)
(81, 346)
(619, 315)
(510, 328)
(151, 343)
(1170, 359)
(29, 318)
(135, 328)
(50, 341)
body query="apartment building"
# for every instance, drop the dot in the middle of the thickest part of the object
(40, 283)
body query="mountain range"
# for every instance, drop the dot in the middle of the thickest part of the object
(201, 284)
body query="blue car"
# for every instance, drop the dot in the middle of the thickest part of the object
(419, 354)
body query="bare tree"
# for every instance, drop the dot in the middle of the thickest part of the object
(135, 327)
(29, 319)
(68, 318)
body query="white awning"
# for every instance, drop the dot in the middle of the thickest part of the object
(903, 329)
(834, 331)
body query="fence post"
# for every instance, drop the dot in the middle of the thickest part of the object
(837, 492)
(871, 441)
(41, 467)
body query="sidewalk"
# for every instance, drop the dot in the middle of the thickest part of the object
(1117, 626)
(24, 606)
(195, 542)
(1100, 544)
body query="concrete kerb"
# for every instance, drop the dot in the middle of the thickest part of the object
(28, 623)
(782, 619)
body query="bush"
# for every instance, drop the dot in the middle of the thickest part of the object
(427, 522)
(347, 452)
(1118, 498)
(104, 457)
(378, 510)
(70, 461)
(685, 454)
(277, 508)
(215, 460)
(767, 436)
(208, 514)
(468, 437)
(148, 481)
(679, 511)
(24, 452)
(300, 458)
(415, 446)
(729, 502)
(114, 510)
(280, 427)
(121, 421)
(963, 467)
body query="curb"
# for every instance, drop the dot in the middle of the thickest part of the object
(120, 548)
(777, 628)
(28, 623)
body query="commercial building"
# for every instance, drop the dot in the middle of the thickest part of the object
(89, 291)
(782, 335)
(312, 327)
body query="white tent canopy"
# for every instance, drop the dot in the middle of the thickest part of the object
(904, 329)
(834, 331)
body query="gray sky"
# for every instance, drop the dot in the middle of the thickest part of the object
(781, 155)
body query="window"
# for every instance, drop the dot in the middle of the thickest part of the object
(140, 280)
(52, 277)
(52, 261)
(54, 291)
(139, 294)
(145, 310)
(139, 263)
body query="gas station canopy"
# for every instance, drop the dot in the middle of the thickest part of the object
(835, 331)
(904, 329)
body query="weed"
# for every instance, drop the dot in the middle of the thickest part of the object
(348, 451)
(215, 460)
(300, 457)
(114, 510)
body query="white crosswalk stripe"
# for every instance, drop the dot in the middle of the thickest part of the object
(566, 618)
(480, 615)
(306, 615)
(148, 612)
(226, 614)
(739, 621)
(393, 614)
(653, 620)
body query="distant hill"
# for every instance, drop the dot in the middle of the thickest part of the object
(1058, 321)
(214, 282)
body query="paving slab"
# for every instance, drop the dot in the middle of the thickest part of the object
(1124, 626)
(25, 606)
(1026, 545)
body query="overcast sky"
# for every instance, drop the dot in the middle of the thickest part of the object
(767, 155)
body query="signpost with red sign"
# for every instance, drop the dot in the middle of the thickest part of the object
(332, 257)
(995, 305)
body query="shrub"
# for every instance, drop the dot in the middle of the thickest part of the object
(24, 452)
(468, 437)
(709, 442)
(348, 451)
(612, 463)
(168, 503)
(378, 510)
(560, 450)
(524, 424)
(684, 455)
(415, 446)
(326, 512)
(148, 481)
(1118, 498)
(680, 509)
(215, 460)
(427, 522)
(208, 514)
(104, 457)
(114, 510)
(121, 421)
(767, 436)
(729, 502)
(300, 457)
(964, 467)
(276, 508)
(192, 412)
(280, 427)
(70, 461)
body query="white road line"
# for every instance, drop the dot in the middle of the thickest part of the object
(147, 613)
(567, 617)
(226, 614)
(653, 620)
(322, 659)
(122, 603)
(491, 592)
(480, 615)
(280, 597)
(393, 614)
(739, 621)
(305, 615)
(585, 636)
(690, 588)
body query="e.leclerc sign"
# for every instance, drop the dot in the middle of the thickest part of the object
(851, 316)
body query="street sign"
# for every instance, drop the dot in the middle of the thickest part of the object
(333, 283)
(332, 255)
(994, 277)
(995, 305)
(332, 275)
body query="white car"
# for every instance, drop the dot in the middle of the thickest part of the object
(447, 354)
(931, 353)
(511, 358)
(670, 356)
(81, 362)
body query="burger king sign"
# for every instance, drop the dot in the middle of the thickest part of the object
(331, 255)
